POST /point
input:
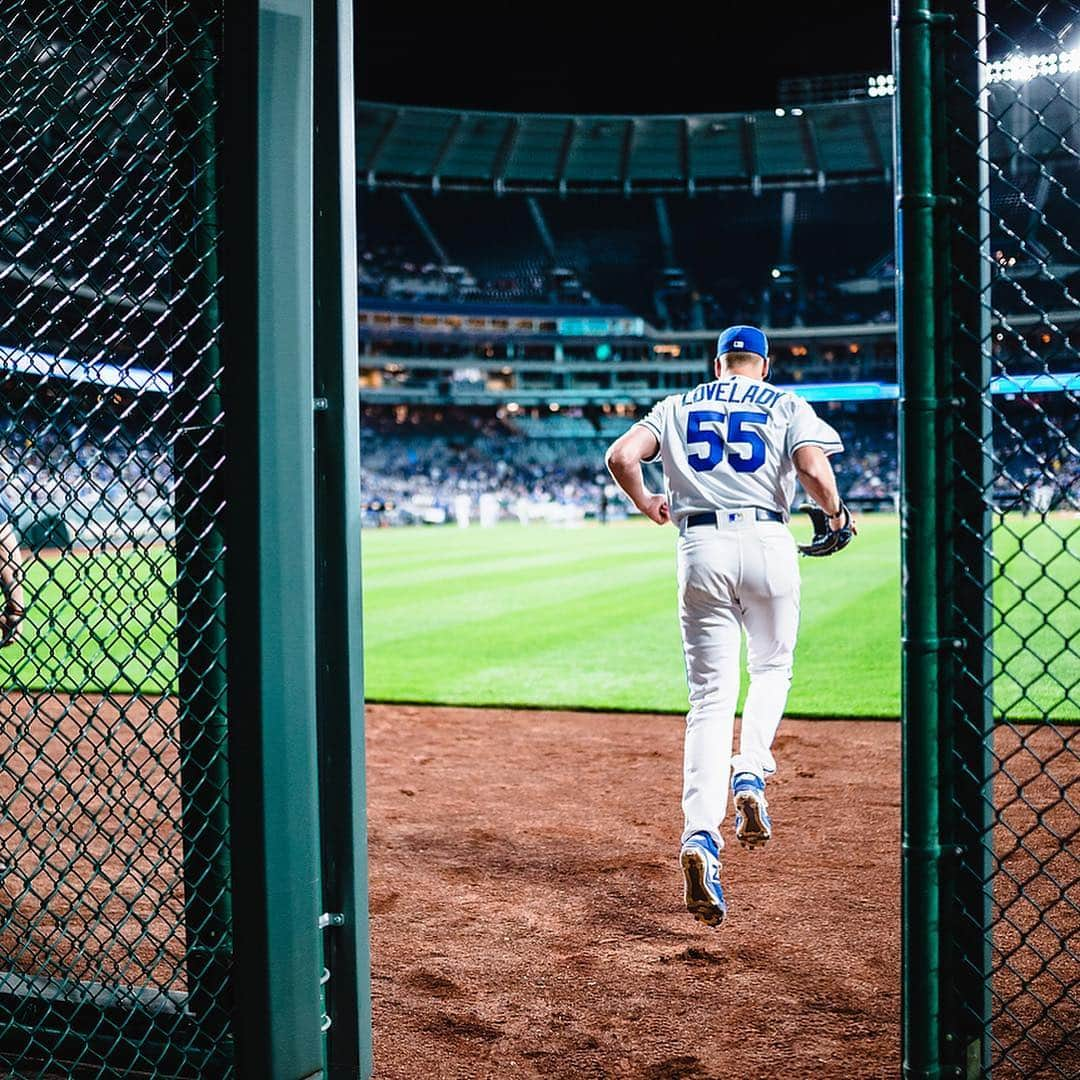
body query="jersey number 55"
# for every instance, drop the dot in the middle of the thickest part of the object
(741, 430)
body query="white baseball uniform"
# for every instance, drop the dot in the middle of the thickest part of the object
(726, 448)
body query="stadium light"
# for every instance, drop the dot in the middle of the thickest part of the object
(881, 85)
(1020, 67)
(774, 272)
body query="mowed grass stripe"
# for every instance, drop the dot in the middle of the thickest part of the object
(645, 673)
(387, 547)
(1036, 643)
(622, 655)
(94, 623)
(506, 584)
(849, 649)
(517, 622)
(548, 648)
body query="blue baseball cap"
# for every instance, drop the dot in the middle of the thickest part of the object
(743, 339)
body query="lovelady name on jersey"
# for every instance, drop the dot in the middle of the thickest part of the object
(735, 391)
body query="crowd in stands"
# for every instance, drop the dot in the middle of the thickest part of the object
(109, 475)
(1037, 454)
(712, 262)
(415, 463)
(100, 466)
(868, 469)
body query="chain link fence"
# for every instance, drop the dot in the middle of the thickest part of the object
(1005, 120)
(116, 926)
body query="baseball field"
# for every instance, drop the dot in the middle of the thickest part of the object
(584, 617)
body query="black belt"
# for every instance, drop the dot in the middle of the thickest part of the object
(760, 514)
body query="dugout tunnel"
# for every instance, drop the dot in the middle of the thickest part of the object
(182, 763)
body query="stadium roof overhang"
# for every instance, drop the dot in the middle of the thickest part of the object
(815, 146)
(812, 145)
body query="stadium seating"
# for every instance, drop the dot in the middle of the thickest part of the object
(72, 454)
(557, 427)
(416, 459)
(721, 250)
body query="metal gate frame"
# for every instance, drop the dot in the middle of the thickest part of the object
(275, 856)
(302, 672)
(945, 536)
(943, 118)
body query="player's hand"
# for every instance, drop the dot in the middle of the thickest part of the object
(656, 508)
(828, 538)
(837, 523)
(10, 619)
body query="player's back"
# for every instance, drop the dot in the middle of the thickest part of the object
(729, 443)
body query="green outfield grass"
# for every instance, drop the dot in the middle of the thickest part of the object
(587, 617)
(559, 617)
(100, 622)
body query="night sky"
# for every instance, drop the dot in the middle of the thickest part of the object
(562, 57)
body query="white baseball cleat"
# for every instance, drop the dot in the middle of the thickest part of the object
(700, 861)
(753, 828)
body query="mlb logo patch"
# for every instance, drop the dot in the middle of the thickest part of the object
(738, 345)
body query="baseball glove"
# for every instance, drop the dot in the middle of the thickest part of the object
(10, 617)
(827, 541)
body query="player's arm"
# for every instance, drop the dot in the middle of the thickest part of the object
(11, 582)
(818, 479)
(624, 458)
(833, 524)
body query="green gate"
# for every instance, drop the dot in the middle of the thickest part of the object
(181, 759)
(988, 228)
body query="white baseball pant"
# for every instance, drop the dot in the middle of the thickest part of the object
(735, 575)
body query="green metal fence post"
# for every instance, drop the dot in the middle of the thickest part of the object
(919, 406)
(340, 661)
(200, 560)
(962, 172)
(271, 609)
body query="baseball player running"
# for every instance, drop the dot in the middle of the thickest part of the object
(731, 450)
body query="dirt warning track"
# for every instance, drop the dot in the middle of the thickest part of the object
(527, 912)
